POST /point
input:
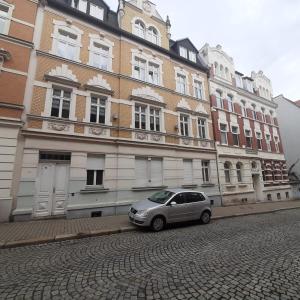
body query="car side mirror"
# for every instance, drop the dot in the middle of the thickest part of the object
(173, 203)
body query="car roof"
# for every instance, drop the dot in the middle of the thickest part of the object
(176, 191)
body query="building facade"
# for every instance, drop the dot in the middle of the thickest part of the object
(115, 110)
(17, 19)
(288, 116)
(251, 162)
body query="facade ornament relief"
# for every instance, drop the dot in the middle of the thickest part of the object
(97, 131)
(63, 72)
(58, 126)
(141, 136)
(183, 104)
(155, 138)
(99, 81)
(200, 109)
(186, 142)
(147, 93)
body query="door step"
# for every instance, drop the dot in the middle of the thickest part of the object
(61, 217)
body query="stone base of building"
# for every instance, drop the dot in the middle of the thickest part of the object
(5, 209)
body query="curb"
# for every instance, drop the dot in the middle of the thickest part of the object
(104, 232)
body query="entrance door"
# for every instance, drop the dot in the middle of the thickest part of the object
(52, 189)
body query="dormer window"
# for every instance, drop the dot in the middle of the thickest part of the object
(140, 29)
(239, 81)
(183, 52)
(153, 35)
(80, 5)
(96, 11)
(192, 56)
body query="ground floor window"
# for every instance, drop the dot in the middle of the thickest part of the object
(95, 171)
(206, 171)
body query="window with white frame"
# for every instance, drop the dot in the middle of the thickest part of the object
(148, 172)
(153, 35)
(230, 102)
(5, 16)
(184, 124)
(235, 135)
(272, 116)
(96, 11)
(95, 171)
(223, 132)
(188, 171)
(61, 103)
(80, 5)
(259, 140)
(227, 172)
(98, 109)
(100, 56)
(153, 73)
(139, 69)
(254, 112)
(219, 99)
(248, 135)
(139, 28)
(239, 173)
(147, 117)
(183, 52)
(192, 56)
(268, 141)
(198, 89)
(202, 128)
(205, 171)
(239, 81)
(67, 45)
(181, 84)
(244, 109)
(276, 141)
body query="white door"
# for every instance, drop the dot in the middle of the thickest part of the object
(52, 189)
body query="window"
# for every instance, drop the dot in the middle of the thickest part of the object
(258, 140)
(154, 73)
(61, 102)
(98, 108)
(205, 171)
(254, 112)
(230, 103)
(227, 171)
(140, 69)
(248, 136)
(268, 141)
(140, 116)
(66, 44)
(180, 198)
(198, 89)
(239, 81)
(140, 29)
(188, 171)
(276, 141)
(235, 135)
(216, 68)
(219, 99)
(95, 170)
(181, 84)
(244, 109)
(148, 171)
(263, 111)
(4, 18)
(96, 11)
(184, 125)
(278, 196)
(202, 128)
(239, 172)
(269, 197)
(194, 197)
(147, 117)
(287, 195)
(100, 56)
(183, 52)
(153, 35)
(80, 5)
(55, 156)
(223, 129)
(192, 56)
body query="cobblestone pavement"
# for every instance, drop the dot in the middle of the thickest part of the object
(253, 257)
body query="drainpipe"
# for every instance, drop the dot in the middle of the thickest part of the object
(218, 172)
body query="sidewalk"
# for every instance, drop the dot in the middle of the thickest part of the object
(37, 232)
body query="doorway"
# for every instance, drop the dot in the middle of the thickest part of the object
(52, 189)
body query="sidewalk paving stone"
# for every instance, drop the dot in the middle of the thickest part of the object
(43, 231)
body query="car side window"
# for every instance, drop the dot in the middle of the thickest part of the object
(179, 199)
(194, 197)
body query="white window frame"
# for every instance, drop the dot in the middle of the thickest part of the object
(198, 89)
(239, 172)
(237, 134)
(183, 52)
(152, 37)
(181, 83)
(268, 142)
(244, 108)
(224, 132)
(95, 38)
(219, 100)
(193, 56)
(227, 172)
(80, 2)
(95, 168)
(202, 127)
(180, 71)
(99, 9)
(140, 31)
(230, 103)
(249, 136)
(259, 137)
(185, 123)
(8, 18)
(56, 36)
(206, 168)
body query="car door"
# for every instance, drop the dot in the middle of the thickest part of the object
(178, 212)
(195, 205)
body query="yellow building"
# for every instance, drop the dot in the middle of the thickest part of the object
(116, 110)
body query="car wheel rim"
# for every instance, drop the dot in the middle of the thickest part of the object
(205, 217)
(158, 224)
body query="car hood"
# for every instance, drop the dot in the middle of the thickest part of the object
(145, 204)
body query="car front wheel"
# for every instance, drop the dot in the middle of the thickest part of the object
(158, 224)
(205, 217)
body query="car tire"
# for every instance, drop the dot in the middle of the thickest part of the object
(158, 224)
(205, 217)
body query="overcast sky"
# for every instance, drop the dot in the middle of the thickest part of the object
(258, 34)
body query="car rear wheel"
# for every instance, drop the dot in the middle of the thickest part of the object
(158, 224)
(205, 217)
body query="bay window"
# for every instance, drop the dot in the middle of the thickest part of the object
(98, 109)
(61, 102)
(184, 124)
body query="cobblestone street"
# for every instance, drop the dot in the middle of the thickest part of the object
(254, 257)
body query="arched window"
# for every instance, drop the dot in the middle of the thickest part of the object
(140, 28)
(239, 173)
(153, 35)
(227, 171)
(216, 68)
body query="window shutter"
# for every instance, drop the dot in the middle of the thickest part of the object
(95, 163)
(188, 171)
(156, 172)
(141, 172)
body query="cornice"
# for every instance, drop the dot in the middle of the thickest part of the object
(16, 41)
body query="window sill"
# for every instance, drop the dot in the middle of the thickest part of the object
(189, 186)
(149, 188)
(230, 186)
(94, 190)
(207, 185)
(243, 185)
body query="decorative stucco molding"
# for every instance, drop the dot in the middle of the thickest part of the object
(183, 105)
(147, 93)
(200, 109)
(99, 82)
(63, 72)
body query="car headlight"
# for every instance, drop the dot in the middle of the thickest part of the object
(142, 213)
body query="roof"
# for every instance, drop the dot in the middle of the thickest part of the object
(297, 103)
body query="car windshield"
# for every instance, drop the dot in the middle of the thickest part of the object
(161, 197)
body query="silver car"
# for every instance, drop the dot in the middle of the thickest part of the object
(170, 206)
